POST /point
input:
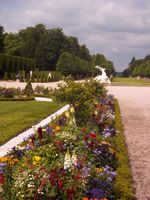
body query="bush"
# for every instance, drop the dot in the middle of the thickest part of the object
(81, 96)
(28, 89)
(8, 93)
(18, 99)
(13, 76)
(6, 76)
(21, 73)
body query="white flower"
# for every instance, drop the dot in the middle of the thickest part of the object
(74, 158)
(68, 160)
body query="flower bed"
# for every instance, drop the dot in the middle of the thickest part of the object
(64, 161)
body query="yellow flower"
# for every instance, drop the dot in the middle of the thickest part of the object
(67, 114)
(3, 159)
(104, 142)
(36, 159)
(99, 169)
(72, 109)
(58, 128)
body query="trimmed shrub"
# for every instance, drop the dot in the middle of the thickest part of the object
(28, 89)
(13, 76)
(6, 76)
(123, 183)
(21, 76)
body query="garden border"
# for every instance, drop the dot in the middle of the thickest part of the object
(123, 186)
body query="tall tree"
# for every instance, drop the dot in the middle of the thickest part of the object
(55, 46)
(71, 45)
(13, 44)
(1, 39)
(65, 64)
(84, 53)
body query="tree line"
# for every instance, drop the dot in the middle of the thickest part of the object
(138, 67)
(52, 50)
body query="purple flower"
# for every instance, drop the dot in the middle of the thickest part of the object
(2, 165)
(109, 179)
(95, 193)
(27, 148)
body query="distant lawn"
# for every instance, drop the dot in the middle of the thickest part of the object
(17, 116)
(131, 81)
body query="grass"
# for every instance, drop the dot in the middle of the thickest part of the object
(17, 116)
(123, 186)
(131, 81)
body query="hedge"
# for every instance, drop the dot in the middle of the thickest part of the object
(19, 99)
(123, 183)
(15, 64)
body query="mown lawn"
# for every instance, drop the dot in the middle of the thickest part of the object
(17, 116)
(130, 81)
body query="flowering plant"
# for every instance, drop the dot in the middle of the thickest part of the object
(64, 161)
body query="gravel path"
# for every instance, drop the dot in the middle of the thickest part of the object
(16, 84)
(135, 110)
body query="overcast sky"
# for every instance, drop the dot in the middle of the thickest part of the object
(120, 29)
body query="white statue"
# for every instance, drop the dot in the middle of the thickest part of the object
(103, 78)
(49, 75)
(31, 74)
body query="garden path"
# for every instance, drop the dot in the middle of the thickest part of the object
(135, 110)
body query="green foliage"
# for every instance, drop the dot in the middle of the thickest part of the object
(139, 67)
(45, 78)
(14, 64)
(42, 78)
(123, 183)
(33, 77)
(70, 64)
(65, 64)
(21, 77)
(45, 46)
(6, 76)
(81, 96)
(13, 76)
(1, 38)
(27, 77)
(100, 60)
(17, 99)
(28, 89)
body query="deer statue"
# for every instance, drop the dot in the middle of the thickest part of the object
(103, 78)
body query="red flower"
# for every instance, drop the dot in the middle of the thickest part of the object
(60, 183)
(40, 133)
(77, 178)
(84, 129)
(92, 135)
(1, 178)
(53, 178)
(91, 144)
(70, 193)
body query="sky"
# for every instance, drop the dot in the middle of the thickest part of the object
(119, 29)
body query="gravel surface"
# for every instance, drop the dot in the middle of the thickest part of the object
(135, 110)
(16, 84)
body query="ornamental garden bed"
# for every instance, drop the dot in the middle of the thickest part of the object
(69, 159)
